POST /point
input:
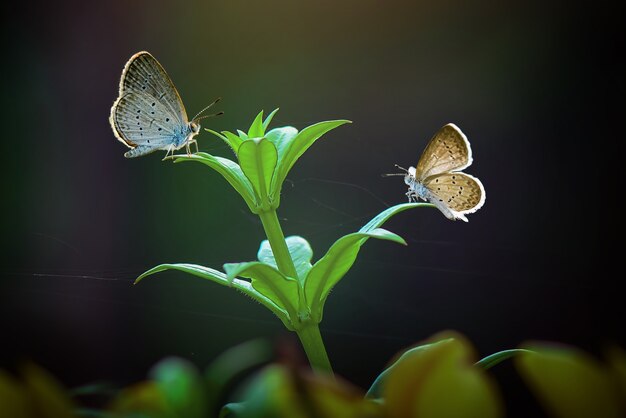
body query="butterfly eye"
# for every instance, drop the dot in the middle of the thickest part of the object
(195, 128)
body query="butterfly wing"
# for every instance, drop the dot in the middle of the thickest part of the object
(455, 194)
(143, 74)
(448, 150)
(139, 120)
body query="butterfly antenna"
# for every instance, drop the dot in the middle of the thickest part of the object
(208, 116)
(397, 174)
(203, 110)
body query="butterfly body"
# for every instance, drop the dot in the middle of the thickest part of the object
(438, 178)
(416, 189)
(149, 114)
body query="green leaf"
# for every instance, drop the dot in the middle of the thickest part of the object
(218, 277)
(268, 119)
(268, 281)
(182, 386)
(376, 390)
(194, 269)
(269, 394)
(232, 140)
(495, 358)
(217, 134)
(230, 170)
(438, 380)
(335, 264)
(290, 151)
(37, 394)
(233, 365)
(383, 216)
(256, 129)
(258, 160)
(242, 134)
(299, 249)
(234, 410)
(569, 382)
(281, 137)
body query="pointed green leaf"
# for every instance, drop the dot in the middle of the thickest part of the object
(496, 358)
(194, 269)
(268, 281)
(242, 134)
(299, 249)
(232, 140)
(290, 151)
(256, 129)
(218, 277)
(383, 216)
(304, 139)
(335, 264)
(217, 134)
(268, 119)
(182, 387)
(258, 160)
(230, 170)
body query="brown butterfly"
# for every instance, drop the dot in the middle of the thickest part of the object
(438, 178)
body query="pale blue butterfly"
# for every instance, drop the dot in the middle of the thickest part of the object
(149, 114)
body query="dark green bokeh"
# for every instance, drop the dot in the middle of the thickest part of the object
(538, 89)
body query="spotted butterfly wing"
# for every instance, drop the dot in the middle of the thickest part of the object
(448, 150)
(455, 194)
(139, 127)
(149, 114)
(143, 73)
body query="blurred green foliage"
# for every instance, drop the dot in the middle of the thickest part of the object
(437, 378)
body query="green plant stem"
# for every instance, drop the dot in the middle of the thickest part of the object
(307, 330)
(277, 241)
(311, 340)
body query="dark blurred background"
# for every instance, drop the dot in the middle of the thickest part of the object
(537, 88)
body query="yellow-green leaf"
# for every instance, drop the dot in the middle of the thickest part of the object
(46, 397)
(440, 380)
(569, 383)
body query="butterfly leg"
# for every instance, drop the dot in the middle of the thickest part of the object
(169, 150)
(188, 146)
